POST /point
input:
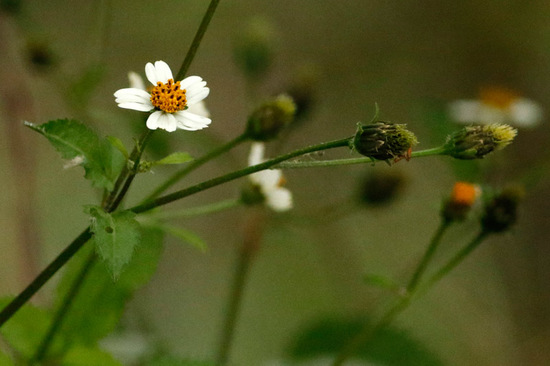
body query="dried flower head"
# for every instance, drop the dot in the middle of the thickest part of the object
(474, 142)
(384, 141)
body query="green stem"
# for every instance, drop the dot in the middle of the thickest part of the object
(251, 245)
(368, 332)
(161, 201)
(421, 268)
(352, 161)
(194, 164)
(62, 311)
(197, 211)
(44, 276)
(197, 40)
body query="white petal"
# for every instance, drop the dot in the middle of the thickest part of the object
(135, 80)
(167, 122)
(279, 199)
(269, 179)
(152, 121)
(189, 81)
(488, 115)
(525, 113)
(151, 73)
(199, 109)
(256, 155)
(464, 111)
(132, 94)
(142, 107)
(190, 121)
(196, 96)
(163, 71)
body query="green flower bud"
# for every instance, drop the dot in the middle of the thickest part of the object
(381, 187)
(474, 142)
(501, 212)
(384, 141)
(270, 118)
(254, 49)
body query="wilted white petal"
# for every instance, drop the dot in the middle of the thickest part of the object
(135, 80)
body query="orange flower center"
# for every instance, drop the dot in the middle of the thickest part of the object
(169, 97)
(500, 98)
(464, 194)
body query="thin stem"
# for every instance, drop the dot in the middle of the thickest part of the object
(197, 211)
(62, 311)
(351, 161)
(368, 332)
(250, 246)
(44, 276)
(161, 201)
(194, 164)
(197, 40)
(421, 268)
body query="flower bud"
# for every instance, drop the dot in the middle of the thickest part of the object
(501, 212)
(254, 49)
(463, 197)
(384, 141)
(474, 142)
(381, 187)
(267, 121)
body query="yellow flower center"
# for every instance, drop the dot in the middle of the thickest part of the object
(169, 97)
(497, 97)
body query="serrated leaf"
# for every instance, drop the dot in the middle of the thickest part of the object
(98, 291)
(84, 356)
(390, 346)
(115, 236)
(117, 144)
(175, 158)
(101, 162)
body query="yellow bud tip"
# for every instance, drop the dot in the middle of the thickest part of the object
(502, 134)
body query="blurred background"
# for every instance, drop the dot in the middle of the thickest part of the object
(412, 58)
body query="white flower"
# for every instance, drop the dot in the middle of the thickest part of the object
(269, 182)
(170, 102)
(497, 105)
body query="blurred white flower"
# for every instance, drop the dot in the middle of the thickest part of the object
(497, 105)
(270, 182)
(170, 102)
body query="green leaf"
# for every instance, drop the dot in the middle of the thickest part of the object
(115, 236)
(24, 331)
(72, 139)
(175, 158)
(184, 235)
(390, 346)
(5, 360)
(175, 361)
(117, 144)
(83, 356)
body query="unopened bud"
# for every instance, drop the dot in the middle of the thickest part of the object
(463, 197)
(501, 212)
(267, 121)
(254, 48)
(384, 141)
(474, 142)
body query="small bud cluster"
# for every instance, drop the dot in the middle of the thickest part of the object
(474, 142)
(269, 119)
(384, 141)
